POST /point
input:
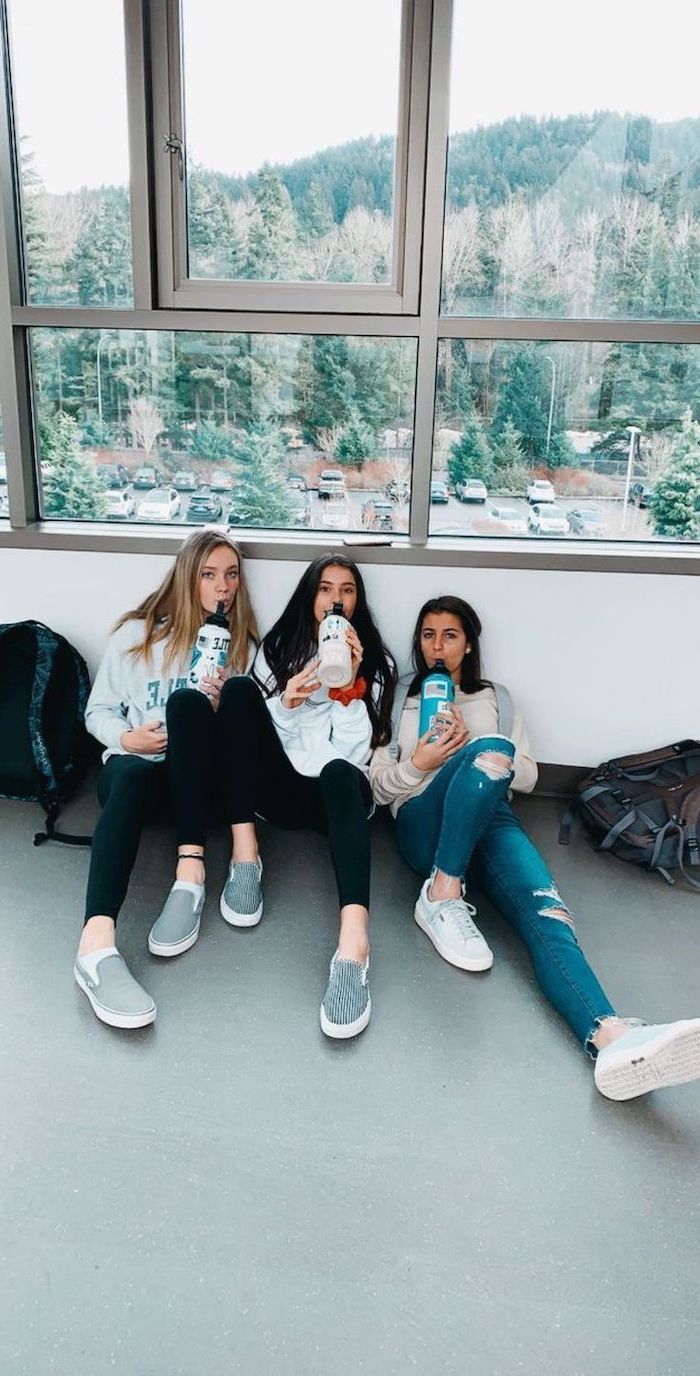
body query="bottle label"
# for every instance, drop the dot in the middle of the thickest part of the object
(435, 690)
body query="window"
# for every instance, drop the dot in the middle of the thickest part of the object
(290, 431)
(573, 173)
(549, 439)
(72, 148)
(286, 163)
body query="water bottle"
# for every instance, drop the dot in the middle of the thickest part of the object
(210, 648)
(436, 697)
(334, 658)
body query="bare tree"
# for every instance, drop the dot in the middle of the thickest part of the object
(145, 423)
(327, 439)
(461, 265)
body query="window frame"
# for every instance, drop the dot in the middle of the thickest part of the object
(25, 529)
(176, 289)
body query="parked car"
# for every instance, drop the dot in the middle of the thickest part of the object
(204, 505)
(220, 480)
(584, 521)
(548, 519)
(185, 481)
(640, 494)
(505, 518)
(295, 442)
(3, 471)
(540, 490)
(119, 505)
(337, 514)
(160, 505)
(378, 514)
(113, 475)
(438, 492)
(300, 506)
(398, 490)
(146, 478)
(296, 480)
(4, 504)
(331, 483)
(471, 490)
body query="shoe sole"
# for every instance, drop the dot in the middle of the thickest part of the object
(107, 1015)
(462, 963)
(672, 1059)
(239, 919)
(175, 948)
(340, 1031)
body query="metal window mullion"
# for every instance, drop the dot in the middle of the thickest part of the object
(218, 322)
(436, 168)
(14, 367)
(139, 116)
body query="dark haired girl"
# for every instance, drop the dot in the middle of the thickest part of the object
(303, 760)
(449, 794)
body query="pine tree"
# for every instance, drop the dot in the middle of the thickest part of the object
(261, 498)
(331, 390)
(357, 442)
(100, 265)
(273, 231)
(72, 489)
(523, 399)
(512, 473)
(674, 505)
(471, 456)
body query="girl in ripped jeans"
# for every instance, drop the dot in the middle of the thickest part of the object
(449, 795)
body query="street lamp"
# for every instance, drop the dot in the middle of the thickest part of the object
(551, 401)
(634, 432)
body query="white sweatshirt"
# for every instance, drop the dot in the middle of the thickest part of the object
(395, 778)
(130, 692)
(320, 729)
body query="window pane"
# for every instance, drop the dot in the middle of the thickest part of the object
(70, 93)
(296, 432)
(290, 177)
(593, 441)
(4, 501)
(574, 163)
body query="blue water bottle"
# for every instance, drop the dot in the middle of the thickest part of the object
(436, 695)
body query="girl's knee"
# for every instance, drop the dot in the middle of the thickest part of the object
(241, 691)
(185, 703)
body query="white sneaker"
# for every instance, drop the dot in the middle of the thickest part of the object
(449, 922)
(650, 1057)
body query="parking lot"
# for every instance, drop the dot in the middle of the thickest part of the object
(453, 517)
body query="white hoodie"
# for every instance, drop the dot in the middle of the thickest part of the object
(320, 729)
(130, 692)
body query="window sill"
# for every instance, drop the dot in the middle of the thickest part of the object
(439, 551)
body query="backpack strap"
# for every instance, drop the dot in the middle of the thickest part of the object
(504, 709)
(690, 840)
(400, 696)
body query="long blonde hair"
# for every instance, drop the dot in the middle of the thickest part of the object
(174, 611)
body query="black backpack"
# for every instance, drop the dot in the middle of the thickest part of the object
(644, 809)
(44, 746)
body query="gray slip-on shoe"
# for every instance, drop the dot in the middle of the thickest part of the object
(347, 1005)
(177, 928)
(116, 997)
(241, 900)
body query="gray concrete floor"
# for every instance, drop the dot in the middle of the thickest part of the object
(228, 1192)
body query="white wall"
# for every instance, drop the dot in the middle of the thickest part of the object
(600, 663)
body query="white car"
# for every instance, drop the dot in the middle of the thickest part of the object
(160, 505)
(119, 505)
(471, 490)
(4, 504)
(331, 483)
(336, 513)
(506, 518)
(540, 490)
(548, 520)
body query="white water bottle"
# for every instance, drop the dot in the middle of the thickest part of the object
(210, 648)
(334, 657)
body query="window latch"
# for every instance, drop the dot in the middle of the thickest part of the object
(173, 144)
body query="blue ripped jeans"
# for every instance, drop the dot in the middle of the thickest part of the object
(463, 822)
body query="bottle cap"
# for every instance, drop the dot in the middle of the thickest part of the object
(217, 618)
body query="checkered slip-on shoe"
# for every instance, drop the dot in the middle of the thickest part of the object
(347, 1005)
(241, 900)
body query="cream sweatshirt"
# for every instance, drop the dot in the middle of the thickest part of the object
(394, 777)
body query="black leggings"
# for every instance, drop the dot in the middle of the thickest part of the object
(209, 759)
(265, 782)
(198, 769)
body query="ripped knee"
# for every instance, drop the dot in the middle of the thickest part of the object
(554, 908)
(494, 764)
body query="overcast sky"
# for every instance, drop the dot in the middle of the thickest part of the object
(328, 73)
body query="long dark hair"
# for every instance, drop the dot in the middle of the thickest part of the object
(293, 640)
(471, 680)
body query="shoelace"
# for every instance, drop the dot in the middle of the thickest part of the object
(462, 915)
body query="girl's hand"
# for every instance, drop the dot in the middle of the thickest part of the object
(301, 686)
(429, 755)
(356, 650)
(150, 739)
(212, 686)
